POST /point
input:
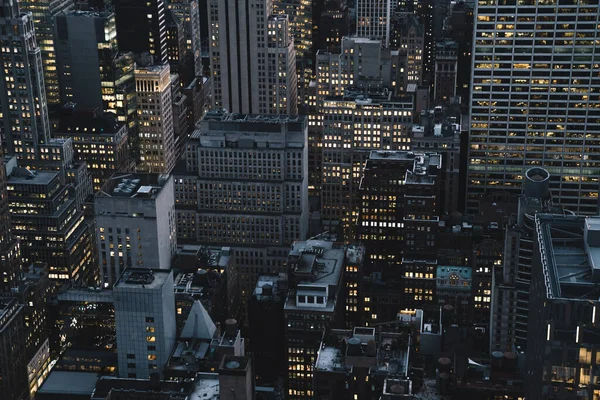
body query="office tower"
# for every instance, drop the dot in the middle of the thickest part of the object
(314, 304)
(50, 226)
(509, 318)
(459, 28)
(563, 343)
(409, 37)
(181, 129)
(57, 155)
(175, 42)
(84, 318)
(43, 13)
(333, 25)
(301, 14)
(86, 43)
(198, 100)
(13, 365)
(145, 318)
(373, 20)
(246, 187)
(33, 293)
(252, 59)
(189, 12)
(98, 140)
(445, 73)
(353, 275)
(440, 130)
(135, 224)
(155, 119)
(10, 250)
(397, 224)
(266, 327)
(91, 71)
(141, 28)
(535, 106)
(353, 126)
(425, 15)
(22, 130)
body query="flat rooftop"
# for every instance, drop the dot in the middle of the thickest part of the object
(567, 257)
(206, 387)
(23, 176)
(142, 278)
(69, 383)
(142, 186)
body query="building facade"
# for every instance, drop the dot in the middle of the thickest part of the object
(145, 321)
(155, 119)
(135, 224)
(23, 130)
(535, 106)
(253, 60)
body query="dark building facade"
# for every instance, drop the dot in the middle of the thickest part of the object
(141, 28)
(13, 364)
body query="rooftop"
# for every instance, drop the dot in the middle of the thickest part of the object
(25, 176)
(142, 278)
(421, 168)
(84, 122)
(140, 186)
(69, 383)
(223, 116)
(570, 255)
(206, 387)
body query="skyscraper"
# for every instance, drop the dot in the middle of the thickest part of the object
(21, 82)
(10, 253)
(145, 319)
(141, 27)
(44, 12)
(155, 117)
(86, 44)
(13, 364)
(188, 11)
(535, 100)
(373, 20)
(253, 60)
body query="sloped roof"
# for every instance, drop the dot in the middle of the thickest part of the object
(199, 324)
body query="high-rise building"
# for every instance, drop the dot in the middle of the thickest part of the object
(563, 337)
(145, 318)
(86, 43)
(98, 140)
(135, 224)
(189, 12)
(398, 221)
(50, 225)
(533, 100)
(13, 363)
(445, 73)
(440, 130)
(175, 42)
(409, 37)
(511, 294)
(155, 119)
(253, 60)
(373, 20)
(314, 304)
(266, 328)
(21, 82)
(353, 126)
(246, 187)
(141, 28)
(44, 12)
(301, 18)
(34, 292)
(333, 25)
(10, 251)
(459, 28)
